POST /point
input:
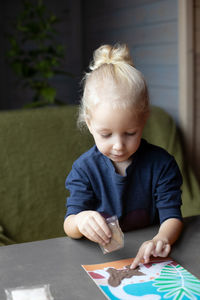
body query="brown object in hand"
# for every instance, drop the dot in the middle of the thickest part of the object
(117, 239)
(116, 276)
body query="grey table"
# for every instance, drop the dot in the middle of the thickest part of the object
(58, 261)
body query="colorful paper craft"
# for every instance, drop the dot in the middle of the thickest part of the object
(159, 279)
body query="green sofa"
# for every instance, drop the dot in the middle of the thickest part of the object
(38, 148)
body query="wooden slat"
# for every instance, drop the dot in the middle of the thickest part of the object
(94, 8)
(158, 12)
(186, 74)
(150, 28)
(165, 98)
(163, 76)
(196, 161)
(146, 35)
(159, 54)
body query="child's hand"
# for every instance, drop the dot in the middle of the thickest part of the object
(93, 226)
(148, 248)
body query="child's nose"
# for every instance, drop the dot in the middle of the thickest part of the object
(118, 144)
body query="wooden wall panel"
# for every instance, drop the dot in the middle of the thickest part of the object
(135, 15)
(196, 161)
(150, 30)
(102, 6)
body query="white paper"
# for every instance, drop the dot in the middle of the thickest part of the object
(33, 293)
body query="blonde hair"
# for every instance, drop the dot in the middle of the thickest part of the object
(112, 67)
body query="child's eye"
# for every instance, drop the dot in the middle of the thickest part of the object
(130, 133)
(106, 135)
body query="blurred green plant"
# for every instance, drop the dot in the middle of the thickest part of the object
(34, 54)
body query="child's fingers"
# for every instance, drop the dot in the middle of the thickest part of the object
(159, 248)
(98, 231)
(148, 251)
(93, 226)
(166, 250)
(103, 225)
(140, 255)
(93, 236)
(162, 249)
(143, 254)
(149, 248)
(137, 260)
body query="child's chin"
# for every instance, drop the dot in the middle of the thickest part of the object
(119, 159)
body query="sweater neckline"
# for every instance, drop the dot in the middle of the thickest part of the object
(128, 169)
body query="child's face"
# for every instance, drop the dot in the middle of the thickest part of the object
(117, 132)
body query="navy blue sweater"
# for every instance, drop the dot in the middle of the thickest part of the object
(150, 190)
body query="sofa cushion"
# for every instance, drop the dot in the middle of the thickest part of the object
(38, 148)
(161, 130)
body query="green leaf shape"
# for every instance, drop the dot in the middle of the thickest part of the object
(177, 282)
(48, 94)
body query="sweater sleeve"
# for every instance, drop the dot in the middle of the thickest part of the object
(168, 191)
(81, 194)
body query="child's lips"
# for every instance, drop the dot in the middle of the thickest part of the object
(117, 155)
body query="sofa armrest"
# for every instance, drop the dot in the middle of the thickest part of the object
(4, 240)
(162, 130)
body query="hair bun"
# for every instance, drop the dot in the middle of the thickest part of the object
(108, 54)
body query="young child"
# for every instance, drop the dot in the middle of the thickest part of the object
(122, 174)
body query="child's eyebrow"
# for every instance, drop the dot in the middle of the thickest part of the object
(106, 130)
(103, 130)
